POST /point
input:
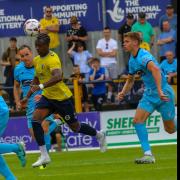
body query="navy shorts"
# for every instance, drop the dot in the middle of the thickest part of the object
(64, 108)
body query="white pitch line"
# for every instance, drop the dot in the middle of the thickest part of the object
(102, 172)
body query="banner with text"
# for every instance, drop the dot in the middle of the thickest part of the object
(13, 14)
(17, 131)
(116, 11)
(121, 132)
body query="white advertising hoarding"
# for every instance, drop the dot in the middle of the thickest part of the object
(121, 132)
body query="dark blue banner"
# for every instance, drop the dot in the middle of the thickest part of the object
(116, 10)
(14, 13)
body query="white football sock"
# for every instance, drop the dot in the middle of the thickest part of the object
(148, 153)
(43, 151)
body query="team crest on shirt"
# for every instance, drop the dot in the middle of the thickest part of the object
(140, 72)
(67, 117)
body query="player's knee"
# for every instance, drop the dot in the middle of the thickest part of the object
(170, 130)
(37, 117)
(137, 121)
(75, 127)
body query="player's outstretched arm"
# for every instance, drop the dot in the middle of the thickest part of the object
(157, 77)
(127, 87)
(17, 93)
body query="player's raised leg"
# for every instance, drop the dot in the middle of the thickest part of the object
(66, 111)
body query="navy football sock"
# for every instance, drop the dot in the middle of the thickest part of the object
(86, 129)
(38, 133)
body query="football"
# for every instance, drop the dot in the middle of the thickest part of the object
(31, 27)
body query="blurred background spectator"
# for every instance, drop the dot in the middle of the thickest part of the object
(97, 73)
(50, 25)
(9, 60)
(107, 50)
(145, 27)
(126, 27)
(170, 16)
(76, 33)
(166, 40)
(81, 58)
(169, 66)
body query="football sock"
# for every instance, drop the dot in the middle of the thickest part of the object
(5, 171)
(8, 148)
(86, 129)
(148, 153)
(43, 150)
(47, 139)
(47, 136)
(98, 135)
(52, 126)
(38, 133)
(143, 136)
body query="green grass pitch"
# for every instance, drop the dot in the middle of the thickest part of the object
(115, 164)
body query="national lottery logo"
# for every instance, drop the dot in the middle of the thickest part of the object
(117, 14)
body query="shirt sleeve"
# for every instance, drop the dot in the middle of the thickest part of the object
(103, 71)
(89, 55)
(120, 30)
(42, 24)
(115, 45)
(91, 72)
(73, 54)
(162, 65)
(133, 29)
(151, 30)
(130, 69)
(56, 20)
(54, 63)
(98, 46)
(16, 75)
(83, 31)
(145, 60)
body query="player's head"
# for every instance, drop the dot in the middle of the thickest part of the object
(48, 12)
(76, 69)
(132, 41)
(42, 44)
(166, 26)
(169, 10)
(94, 62)
(169, 56)
(26, 55)
(13, 42)
(130, 18)
(79, 46)
(73, 20)
(107, 32)
(142, 17)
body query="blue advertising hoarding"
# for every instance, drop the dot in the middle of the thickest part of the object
(116, 10)
(17, 130)
(14, 13)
